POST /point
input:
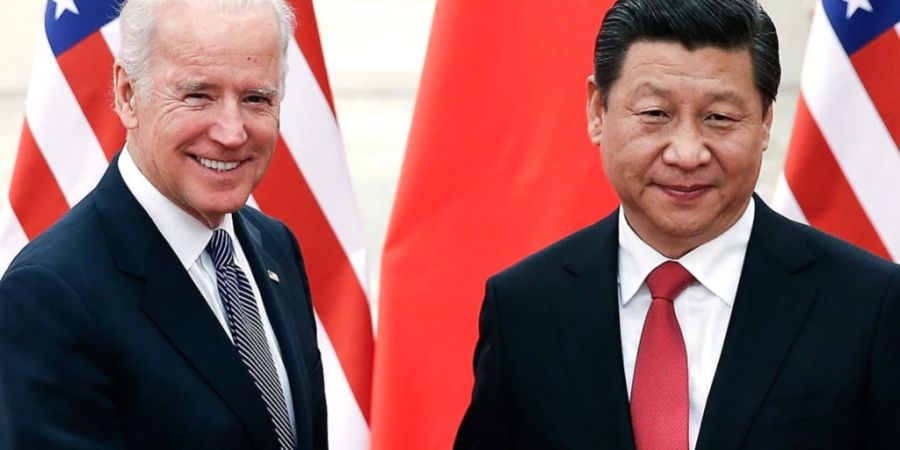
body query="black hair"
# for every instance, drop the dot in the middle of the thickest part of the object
(725, 24)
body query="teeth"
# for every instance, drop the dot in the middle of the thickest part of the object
(221, 166)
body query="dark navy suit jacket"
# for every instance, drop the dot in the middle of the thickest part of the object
(106, 343)
(811, 358)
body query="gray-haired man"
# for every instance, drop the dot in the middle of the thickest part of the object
(160, 313)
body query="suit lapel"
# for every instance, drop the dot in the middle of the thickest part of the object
(282, 314)
(768, 312)
(172, 302)
(591, 340)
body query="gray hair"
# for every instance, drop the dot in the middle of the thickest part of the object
(137, 19)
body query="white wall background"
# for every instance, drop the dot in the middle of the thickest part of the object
(374, 51)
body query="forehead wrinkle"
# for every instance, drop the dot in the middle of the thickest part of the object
(649, 87)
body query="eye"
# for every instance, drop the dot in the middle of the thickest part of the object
(257, 99)
(653, 116)
(719, 118)
(196, 96)
(653, 113)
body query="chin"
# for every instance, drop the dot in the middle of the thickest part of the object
(682, 229)
(229, 208)
(220, 207)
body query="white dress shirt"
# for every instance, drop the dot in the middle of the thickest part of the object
(188, 238)
(703, 309)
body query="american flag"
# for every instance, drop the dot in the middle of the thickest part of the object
(71, 133)
(842, 172)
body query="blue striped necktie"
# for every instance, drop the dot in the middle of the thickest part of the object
(247, 332)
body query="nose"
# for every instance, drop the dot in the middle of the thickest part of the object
(687, 149)
(228, 129)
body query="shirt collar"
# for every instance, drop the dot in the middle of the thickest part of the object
(186, 235)
(716, 264)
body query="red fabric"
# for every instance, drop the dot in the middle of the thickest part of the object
(498, 165)
(822, 190)
(90, 84)
(307, 35)
(337, 296)
(660, 404)
(880, 79)
(33, 193)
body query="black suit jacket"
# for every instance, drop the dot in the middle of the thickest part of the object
(106, 343)
(811, 358)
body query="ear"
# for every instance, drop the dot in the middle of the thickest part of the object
(767, 126)
(123, 88)
(594, 111)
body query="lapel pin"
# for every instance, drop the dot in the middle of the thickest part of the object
(272, 276)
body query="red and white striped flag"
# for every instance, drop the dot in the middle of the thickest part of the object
(842, 172)
(71, 133)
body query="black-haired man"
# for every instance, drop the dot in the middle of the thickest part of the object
(694, 317)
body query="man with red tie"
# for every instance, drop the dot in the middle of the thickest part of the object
(693, 317)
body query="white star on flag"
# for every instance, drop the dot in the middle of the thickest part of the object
(854, 5)
(63, 6)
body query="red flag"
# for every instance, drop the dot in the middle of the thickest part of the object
(498, 165)
(842, 172)
(71, 132)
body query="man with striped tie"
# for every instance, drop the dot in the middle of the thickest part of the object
(160, 312)
(693, 317)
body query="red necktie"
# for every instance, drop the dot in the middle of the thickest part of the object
(659, 393)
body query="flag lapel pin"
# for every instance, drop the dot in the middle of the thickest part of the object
(273, 276)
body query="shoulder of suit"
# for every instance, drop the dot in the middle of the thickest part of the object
(74, 249)
(573, 250)
(834, 261)
(78, 233)
(824, 245)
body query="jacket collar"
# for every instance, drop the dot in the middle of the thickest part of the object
(769, 310)
(172, 302)
(588, 323)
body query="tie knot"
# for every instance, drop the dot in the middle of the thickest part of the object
(220, 248)
(668, 280)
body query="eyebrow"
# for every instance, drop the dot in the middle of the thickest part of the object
(263, 91)
(716, 96)
(192, 86)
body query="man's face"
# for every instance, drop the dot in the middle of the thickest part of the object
(682, 140)
(205, 130)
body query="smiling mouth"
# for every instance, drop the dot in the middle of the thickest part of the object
(219, 166)
(685, 191)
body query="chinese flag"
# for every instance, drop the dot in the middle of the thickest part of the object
(498, 165)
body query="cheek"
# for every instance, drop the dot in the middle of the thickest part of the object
(633, 160)
(742, 159)
(180, 129)
(623, 173)
(740, 173)
(263, 127)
